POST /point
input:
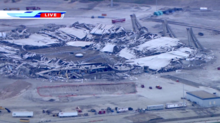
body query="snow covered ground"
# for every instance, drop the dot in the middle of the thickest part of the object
(79, 43)
(35, 40)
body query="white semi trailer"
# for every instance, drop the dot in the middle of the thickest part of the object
(22, 114)
(176, 105)
(68, 114)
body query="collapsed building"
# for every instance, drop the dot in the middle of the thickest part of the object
(120, 53)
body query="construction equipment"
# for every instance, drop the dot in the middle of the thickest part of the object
(192, 40)
(2, 108)
(167, 30)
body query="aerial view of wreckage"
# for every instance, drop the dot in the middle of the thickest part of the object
(109, 61)
(117, 53)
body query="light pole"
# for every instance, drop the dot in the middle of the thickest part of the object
(183, 94)
(111, 3)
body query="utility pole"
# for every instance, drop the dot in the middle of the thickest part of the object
(156, 5)
(183, 94)
(111, 3)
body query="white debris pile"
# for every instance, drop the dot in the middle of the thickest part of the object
(79, 33)
(8, 49)
(108, 48)
(29, 55)
(79, 43)
(19, 33)
(102, 29)
(126, 53)
(35, 40)
(3, 35)
(157, 62)
(159, 45)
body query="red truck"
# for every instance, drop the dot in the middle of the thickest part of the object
(32, 8)
(78, 109)
(102, 112)
(118, 20)
(158, 87)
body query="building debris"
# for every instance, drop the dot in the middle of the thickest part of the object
(127, 54)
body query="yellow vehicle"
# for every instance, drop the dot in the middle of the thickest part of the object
(24, 120)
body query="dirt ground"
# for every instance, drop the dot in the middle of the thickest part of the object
(14, 89)
(87, 89)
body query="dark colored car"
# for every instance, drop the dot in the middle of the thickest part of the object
(118, 20)
(130, 109)
(32, 8)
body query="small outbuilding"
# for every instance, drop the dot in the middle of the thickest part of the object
(203, 98)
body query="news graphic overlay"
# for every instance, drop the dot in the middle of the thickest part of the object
(39, 14)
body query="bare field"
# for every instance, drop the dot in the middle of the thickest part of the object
(87, 89)
(14, 89)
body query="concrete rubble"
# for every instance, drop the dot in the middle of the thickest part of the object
(124, 52)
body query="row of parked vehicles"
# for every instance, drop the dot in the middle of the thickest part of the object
(167, 106)
(79, 113)
(158, 87)
(27, 8)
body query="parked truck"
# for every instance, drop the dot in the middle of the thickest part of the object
(155, 107)
(78, 109)
(176, 105)
(68, 114)
(22, 114)
(120, 110)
